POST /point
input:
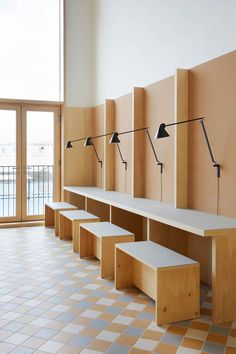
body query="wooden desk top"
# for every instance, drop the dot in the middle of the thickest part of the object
(199, 223)
(75, 215)
(59, 205)
(106, 229)
(154, 255)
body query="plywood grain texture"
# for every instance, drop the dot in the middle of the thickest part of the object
(138, 139)
(212, 88)
(181, 139)
(159, 106)
(98, 129)
(78, 166)
(123, 122)
(109, 149)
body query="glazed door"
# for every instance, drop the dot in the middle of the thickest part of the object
(40, 159)
(10, 163)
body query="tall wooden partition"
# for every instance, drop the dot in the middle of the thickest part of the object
(98, 129)
(212, 88)
(159, 102)
(181, 139)
(137, 142)
(109, 150)
(123, 114)
(78, 161)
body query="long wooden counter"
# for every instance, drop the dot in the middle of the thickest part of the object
(199, 223)
(177, 230)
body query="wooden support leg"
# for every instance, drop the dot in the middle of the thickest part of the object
(75, 235)
(123, 269)
(85, 243)
(107, 257)
(56, 220)
(223, 278)
(108, 254)
(49, 216)
(76, 232)
(65, 228)
(178, 293)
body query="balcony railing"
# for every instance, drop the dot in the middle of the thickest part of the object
(39, 179)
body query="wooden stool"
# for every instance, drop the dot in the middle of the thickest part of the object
(69, 223)
(99, 240)
(52, 213)
(169, 278)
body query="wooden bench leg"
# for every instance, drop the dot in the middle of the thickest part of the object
(85, 243)
(76, 232)
(49, 216)
(65, 228)
(56, 220)
(107, 257)
(123, 270)
(178, 292)
(108, 245)
(75, 235)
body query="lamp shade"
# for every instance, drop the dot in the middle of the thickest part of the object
(114, 138)
(68, 145)
(88, 141)
(161, 132)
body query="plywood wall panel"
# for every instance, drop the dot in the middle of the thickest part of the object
(159, 108)
(109, 149)
(212, 88)
(78, 166)
(123, 122)
(98, 129)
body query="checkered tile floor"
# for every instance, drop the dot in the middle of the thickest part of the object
(53, 302)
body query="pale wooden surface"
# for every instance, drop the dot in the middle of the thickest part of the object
(59, 205)
(74, 199)
(98, 129)
(76, 230)
(49, 216)
(223, 279)
(106, 229)
(129, 221)
(57, 217)
(78, 215)
(212, 87)
(78, 161)
(159, 108)
(100, 209)
(52, 213)
(109, 149)
(99, 240)
(178, 294)
(154, 255)
(176, 289)
(137, 139)
(122, 114)
(181, 139)
(199, 223)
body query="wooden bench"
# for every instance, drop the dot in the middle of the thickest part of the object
(52, 213)
(69, 225)
(99, 239)
(169, 278)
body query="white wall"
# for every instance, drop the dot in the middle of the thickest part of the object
(78, 53)
(137, 42)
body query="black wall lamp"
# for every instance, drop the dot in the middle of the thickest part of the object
(162, 133)
(115, 140)
(88, 141)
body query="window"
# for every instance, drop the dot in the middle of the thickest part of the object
(31, 60)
